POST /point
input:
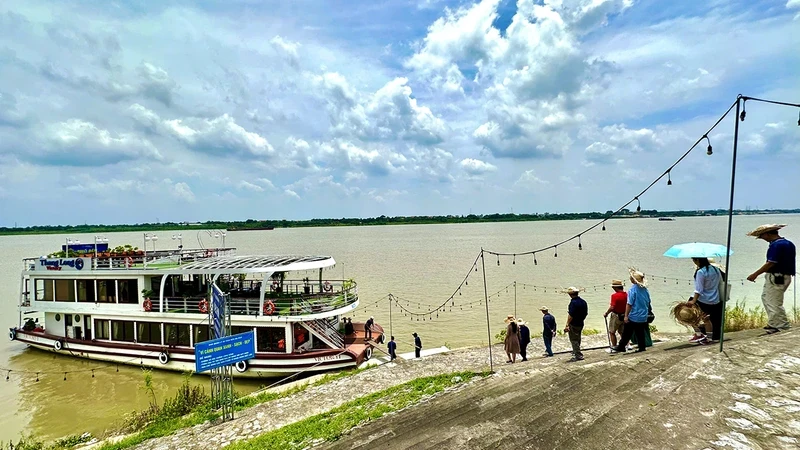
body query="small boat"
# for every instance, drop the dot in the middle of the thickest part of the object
(666, 219)
(152, 308)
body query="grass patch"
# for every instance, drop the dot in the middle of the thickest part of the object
(500, 337)
(30, 443)
(739, 318)
(331, 425)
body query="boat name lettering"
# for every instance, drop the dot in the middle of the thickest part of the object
(325, 358)
(59, 263)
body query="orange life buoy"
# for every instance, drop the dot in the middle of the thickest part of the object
(282, 344)
(128, 261)
(269, 308)
(203, 306)
(327, 287)
(147, 305)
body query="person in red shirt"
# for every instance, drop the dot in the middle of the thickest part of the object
(617, 310)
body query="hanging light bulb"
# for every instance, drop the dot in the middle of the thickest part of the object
(743, 114)
(466, 282)
(709, 150)
(514, 261)
(556, 254)
(669, 180)
(638, 205)
(498, 260)
(580, 246)
(535, 263)
(604, 226)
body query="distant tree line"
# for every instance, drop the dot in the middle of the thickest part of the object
(253, 224)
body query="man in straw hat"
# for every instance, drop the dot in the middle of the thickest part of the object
(779, 269)
(576, 314)
(636, 312)
(617, 310)
(548, 331)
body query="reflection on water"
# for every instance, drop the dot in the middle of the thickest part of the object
(87, 400)
(418, 263)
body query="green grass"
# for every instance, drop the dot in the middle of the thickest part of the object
(331, 425)
(739, 318)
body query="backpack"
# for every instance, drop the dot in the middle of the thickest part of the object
(724, 294)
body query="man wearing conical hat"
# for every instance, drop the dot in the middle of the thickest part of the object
(778, 272)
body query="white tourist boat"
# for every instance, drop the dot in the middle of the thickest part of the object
(151, 308)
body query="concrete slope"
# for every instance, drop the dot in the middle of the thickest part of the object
(672, 396)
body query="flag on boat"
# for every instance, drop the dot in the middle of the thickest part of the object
(217, 311)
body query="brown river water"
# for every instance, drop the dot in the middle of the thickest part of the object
(420, 264)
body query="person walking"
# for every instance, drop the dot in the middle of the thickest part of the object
(524, 338)
(779, 269)
(368, 328)
(549, 328)
(511, 342)
(392, 347)
(417, 345)
(707, 297)
(617, 311)
(576, 314)
(636, 312)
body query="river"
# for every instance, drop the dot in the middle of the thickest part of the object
(418, 263)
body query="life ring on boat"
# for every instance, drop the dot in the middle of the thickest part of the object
(128, 261)
(275, 285)
(368, 353)
(163, 357)
(147, 305)
(203, 306)
(380, 339)
(241, 366)
(269, 308)
(58, 345)
(327, 287)
(12, 334)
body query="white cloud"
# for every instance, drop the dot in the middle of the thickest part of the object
(292, 194)
(529, 180)
(288, 49)
(183, 192)
(220, 136)
(477, 167)
(80, 143)
(244, 185)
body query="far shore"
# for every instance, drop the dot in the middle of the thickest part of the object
(268, 225)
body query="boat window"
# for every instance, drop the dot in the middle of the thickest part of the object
(65, 290)
(200, 333)
(86, 290)
(101, 329)
(176, 334)
(122, 330)
(44, 290)
(267, 339)
(239, 330)
(106, 291)
(128, 292)
(149, 332)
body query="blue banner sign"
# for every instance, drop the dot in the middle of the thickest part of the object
(217, 311)
(80, 249)
(224, 351)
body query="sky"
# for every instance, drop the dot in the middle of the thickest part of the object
(148, 111)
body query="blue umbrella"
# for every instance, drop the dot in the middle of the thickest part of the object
(697, 250)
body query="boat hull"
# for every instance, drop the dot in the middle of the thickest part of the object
(264, 365)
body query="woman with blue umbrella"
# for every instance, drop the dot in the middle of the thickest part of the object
(707, 281)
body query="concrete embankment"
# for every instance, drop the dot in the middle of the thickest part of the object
(675, 395)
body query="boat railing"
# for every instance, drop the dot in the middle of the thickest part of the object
(325, 328)
(139, 259)
(341, 294)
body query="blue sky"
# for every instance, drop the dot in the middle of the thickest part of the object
(118, 112)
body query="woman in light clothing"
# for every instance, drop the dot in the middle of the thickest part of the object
(707, 297)
(636, 312)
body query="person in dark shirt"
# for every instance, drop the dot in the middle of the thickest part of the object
(548, 331)
(417, 345)
(576, 314)
(368, 328)
(348, 326)
(524, 338)
(779, 269)
(392, 346)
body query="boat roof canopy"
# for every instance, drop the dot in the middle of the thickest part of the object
(254, 264)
